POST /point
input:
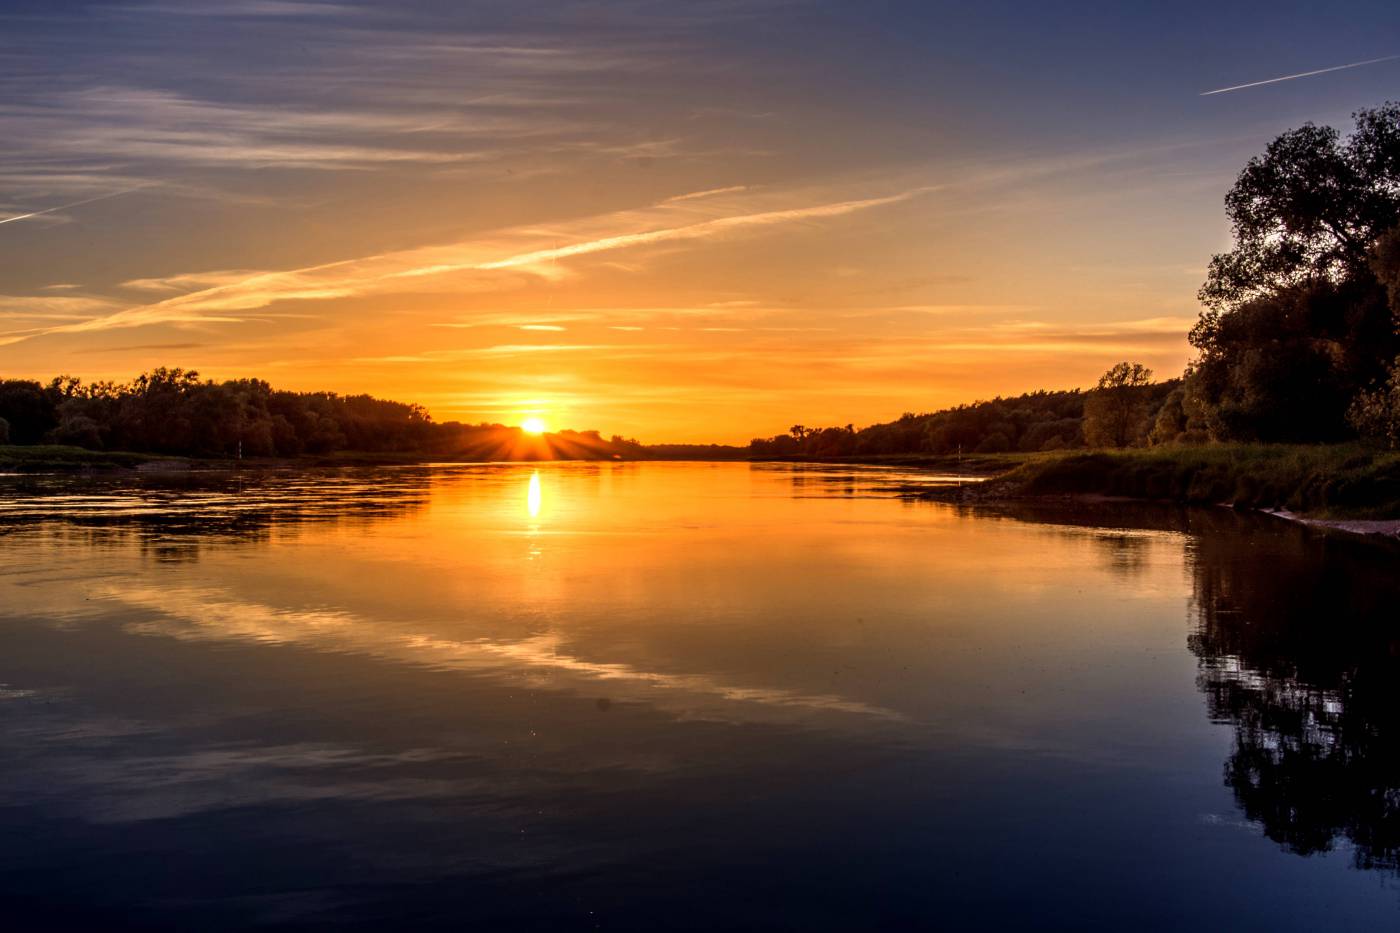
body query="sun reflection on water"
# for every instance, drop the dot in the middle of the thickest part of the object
(532, 497)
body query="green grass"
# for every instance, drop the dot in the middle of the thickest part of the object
(46, 457)
(1324, 481)
(968, 464)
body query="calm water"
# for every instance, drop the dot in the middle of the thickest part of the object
(679, 696)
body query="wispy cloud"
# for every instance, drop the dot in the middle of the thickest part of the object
(696, 231)
(1301, 74)
(51, 307)
(141, 347)
(248, 8)
(190, 281)
(404, 95)
(951, 309)
(615, 351)
(522, 319)
(443, 266)
(141, 124)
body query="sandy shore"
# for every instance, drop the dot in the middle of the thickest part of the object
(990, 492)
(1389, 528)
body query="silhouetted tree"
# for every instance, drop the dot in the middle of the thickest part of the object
(1297, 320)
(1376, 414)
(1287, 366)
(1310, 209)
(1170, 425)
(1116, 412)
(28, 408)
(1385, 265)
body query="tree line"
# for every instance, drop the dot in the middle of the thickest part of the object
(1115, 415)
(1298, 342)
(174, 411)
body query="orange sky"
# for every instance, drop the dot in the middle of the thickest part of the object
(659, 227)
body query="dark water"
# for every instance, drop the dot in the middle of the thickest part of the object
(669, 696)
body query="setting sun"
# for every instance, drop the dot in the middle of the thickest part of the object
(533, 426)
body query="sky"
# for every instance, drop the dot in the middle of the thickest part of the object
(678, 221)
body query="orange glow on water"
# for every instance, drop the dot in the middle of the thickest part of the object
(533, 496)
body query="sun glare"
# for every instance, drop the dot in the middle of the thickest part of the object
(532, 425)
(533, 496)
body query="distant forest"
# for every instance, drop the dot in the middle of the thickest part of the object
(1299, 342)
(1034, 421)
(173, 411)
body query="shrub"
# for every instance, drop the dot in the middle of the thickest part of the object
(1376, 414)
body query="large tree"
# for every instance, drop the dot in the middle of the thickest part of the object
(1310, 209)
(1297, 321)
(1116, 412)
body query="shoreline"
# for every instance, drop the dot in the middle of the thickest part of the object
(986, 494)
(1387, 528)
(1341, 488)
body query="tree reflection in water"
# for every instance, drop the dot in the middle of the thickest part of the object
(1296, 635)
(173, 517)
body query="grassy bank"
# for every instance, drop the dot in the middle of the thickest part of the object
(56, 457)
(965, 465)
(1336, 482)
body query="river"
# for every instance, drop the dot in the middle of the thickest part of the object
(668, 696)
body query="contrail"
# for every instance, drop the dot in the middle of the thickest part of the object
(708, 192)
(64, 207)
(1303, 74)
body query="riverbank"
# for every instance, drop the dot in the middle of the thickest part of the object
(952, 464)
(1346, 486)
(49, 458)
(56, 458)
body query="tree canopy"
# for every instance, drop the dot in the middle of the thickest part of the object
(1116, 412)
(1310, 209)
(1301, 315)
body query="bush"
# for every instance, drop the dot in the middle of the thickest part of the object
(78, 431)
(1339, 480)
(1376, 414)
(995, 443)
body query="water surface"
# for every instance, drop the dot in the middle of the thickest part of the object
(683, 696)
